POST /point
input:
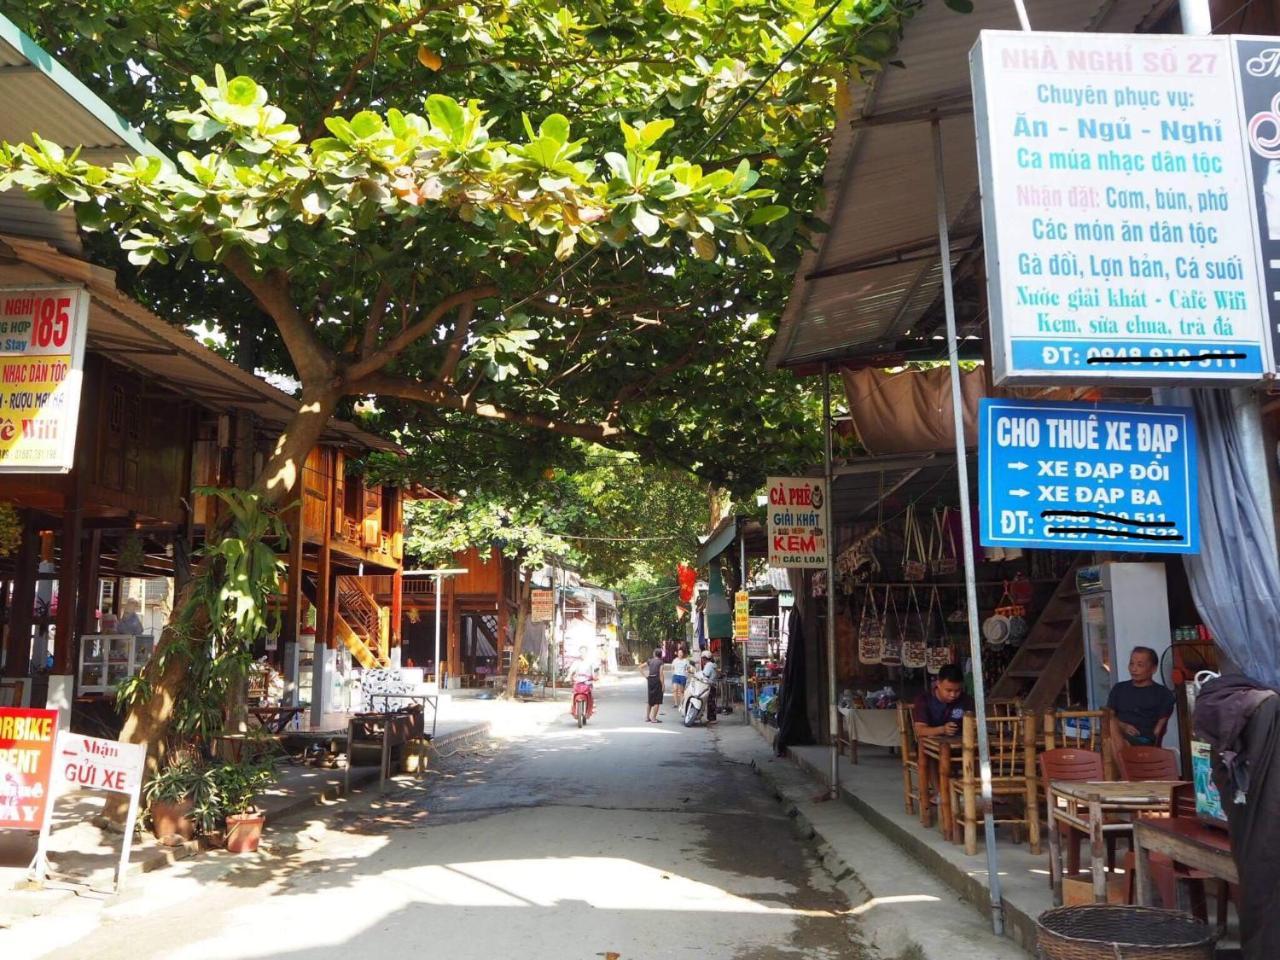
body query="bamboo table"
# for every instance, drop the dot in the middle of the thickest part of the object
(937, 753)
(1099, 808)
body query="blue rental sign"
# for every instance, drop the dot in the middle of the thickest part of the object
(1080, 476)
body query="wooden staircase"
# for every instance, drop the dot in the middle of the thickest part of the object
(351, 622)
(359, 618)
(1050, 654)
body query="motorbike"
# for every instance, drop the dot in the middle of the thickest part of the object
(697, 695)
(581, 697)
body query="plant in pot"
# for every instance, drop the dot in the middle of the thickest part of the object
(237, 786)
(182, 798)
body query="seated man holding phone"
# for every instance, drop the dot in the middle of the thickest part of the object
(939, 710)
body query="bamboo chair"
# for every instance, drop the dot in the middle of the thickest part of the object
(910, 761)
(1013, 776)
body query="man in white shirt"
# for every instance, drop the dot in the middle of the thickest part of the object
(709, 674)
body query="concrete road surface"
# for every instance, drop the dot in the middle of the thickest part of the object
(625, 840)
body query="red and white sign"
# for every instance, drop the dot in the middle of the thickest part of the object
(797, 522)
(89, 763)
(26, 761)
(42, 336)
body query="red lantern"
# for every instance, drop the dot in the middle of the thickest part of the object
(688, 578)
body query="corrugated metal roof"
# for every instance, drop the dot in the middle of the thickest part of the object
(877, 269)
(38, 94)
(128, 333)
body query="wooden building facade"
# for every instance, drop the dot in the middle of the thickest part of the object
(161, 415)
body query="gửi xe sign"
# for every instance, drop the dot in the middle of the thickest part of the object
(1080, 476)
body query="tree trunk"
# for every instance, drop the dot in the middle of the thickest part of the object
(517, 642)
(148, 722)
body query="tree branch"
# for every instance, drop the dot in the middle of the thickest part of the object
(390, 385)
(454, 354)
(311, 359)
(395, 346)
(373, 326)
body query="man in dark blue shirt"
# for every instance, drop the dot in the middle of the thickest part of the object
(938, 712)
(1140, 708)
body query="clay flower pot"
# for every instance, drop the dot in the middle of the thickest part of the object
(173, 817)
(244, 831)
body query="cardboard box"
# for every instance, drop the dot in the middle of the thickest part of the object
(1078, 892)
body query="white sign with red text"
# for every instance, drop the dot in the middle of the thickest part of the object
(90, 763)
(797, 522)
(42, 338)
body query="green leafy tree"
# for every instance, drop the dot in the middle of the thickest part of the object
(650, 335)
(585, 229)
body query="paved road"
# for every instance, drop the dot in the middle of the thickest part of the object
(625, 840)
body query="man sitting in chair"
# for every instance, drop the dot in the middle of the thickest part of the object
(938, 711)
(1140, 708)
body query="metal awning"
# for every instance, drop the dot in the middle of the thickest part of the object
(38, 94)
(876, 273)
(872, 488)
(129, 334)
(726, 534)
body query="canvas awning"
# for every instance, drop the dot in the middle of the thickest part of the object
(871, 287)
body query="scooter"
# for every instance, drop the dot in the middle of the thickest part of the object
(581, 693)
(697, 694)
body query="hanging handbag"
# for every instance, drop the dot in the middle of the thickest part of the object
(944, 563)
(914, 564)
(870, 631)
(915, 642)
(891, 648)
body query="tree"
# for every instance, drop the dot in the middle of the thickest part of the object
(642, 345)
(483, 256)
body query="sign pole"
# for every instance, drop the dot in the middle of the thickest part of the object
(966, 538)
(832, 713)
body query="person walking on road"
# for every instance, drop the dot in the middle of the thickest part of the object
(679, 676)
(653, 672)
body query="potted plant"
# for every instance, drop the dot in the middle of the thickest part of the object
(237, 786)
(181, 798)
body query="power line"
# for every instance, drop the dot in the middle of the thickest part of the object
(720, 127)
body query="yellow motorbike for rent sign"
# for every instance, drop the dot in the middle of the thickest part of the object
(42, 338)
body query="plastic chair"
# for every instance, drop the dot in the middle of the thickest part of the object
(1077, 766)
(1148, 763)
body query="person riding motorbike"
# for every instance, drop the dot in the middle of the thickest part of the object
(584, 672)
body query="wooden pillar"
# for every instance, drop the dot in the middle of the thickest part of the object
(454, 655)
(502, 604)
(21, 612)
(293, 604)
(397, 606)
(68, 586)
(325, 595)
(86, 622)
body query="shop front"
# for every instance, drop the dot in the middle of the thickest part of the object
(906, 304)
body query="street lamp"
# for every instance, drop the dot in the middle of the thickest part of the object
(439, 574)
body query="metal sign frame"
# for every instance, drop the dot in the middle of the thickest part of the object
(78, 762)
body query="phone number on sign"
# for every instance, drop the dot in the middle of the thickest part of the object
(1138, 356)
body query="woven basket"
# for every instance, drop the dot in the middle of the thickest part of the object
(1113, 932)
